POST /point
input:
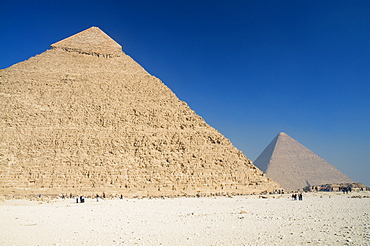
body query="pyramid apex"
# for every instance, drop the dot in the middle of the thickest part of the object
(92, 41)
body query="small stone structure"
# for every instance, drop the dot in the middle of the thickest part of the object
(85, 118)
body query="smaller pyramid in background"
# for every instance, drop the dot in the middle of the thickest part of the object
(90, 41)
(294, 166)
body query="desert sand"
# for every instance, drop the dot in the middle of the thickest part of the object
(319, 219)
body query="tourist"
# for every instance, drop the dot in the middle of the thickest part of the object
(76, 198)
(294, 197)
(97, 197)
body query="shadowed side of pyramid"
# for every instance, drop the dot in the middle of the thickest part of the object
(85, 124)
(294, 166)
(263, 159)
(92, 41)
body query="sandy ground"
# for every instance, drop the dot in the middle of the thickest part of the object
(320, 219)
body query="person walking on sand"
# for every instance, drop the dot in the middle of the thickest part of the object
(82, 199)
(77, 198)
(97, 197)
(294, 197)
(300, 196)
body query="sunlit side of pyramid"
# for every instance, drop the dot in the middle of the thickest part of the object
(84, 117)
(294, 166)
(92, 41)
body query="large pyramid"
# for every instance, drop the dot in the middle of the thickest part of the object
(294, 166)
(83, 117)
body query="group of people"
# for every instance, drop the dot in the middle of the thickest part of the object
(345, 190)
(299, 196)
(97, 196)
(82, 199)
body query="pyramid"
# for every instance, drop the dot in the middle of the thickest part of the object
(84, 117)
(91, 41)
(294, 166)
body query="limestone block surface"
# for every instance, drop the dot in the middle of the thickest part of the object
(77, 122)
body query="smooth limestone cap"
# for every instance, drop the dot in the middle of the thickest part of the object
(92, 41)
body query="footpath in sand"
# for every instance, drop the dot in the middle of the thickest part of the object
(320, 219)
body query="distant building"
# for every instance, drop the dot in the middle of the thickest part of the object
(294, 166)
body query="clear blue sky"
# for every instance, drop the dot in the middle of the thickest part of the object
(251, 69)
